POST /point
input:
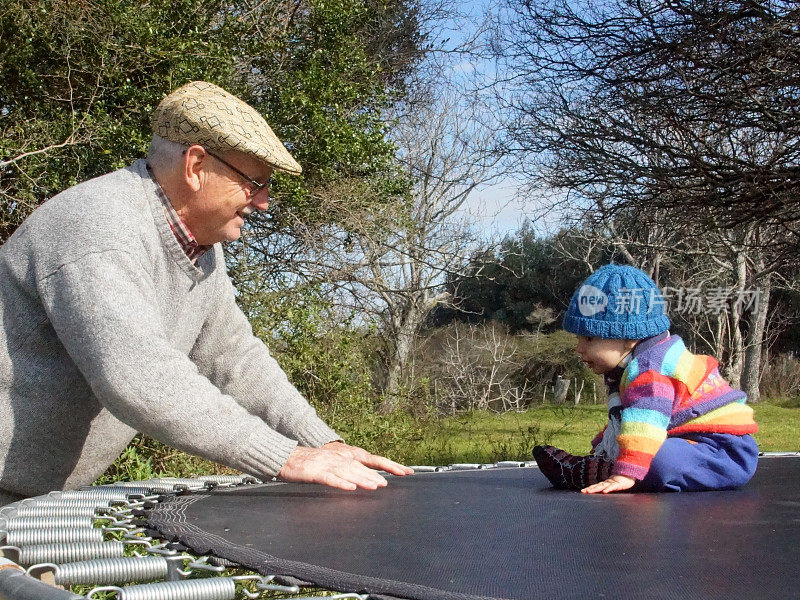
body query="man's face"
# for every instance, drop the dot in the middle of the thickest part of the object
(216, 212)
(602, 355)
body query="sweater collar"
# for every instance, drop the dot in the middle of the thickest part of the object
(182, 234)
(648, 343)
(205, 264)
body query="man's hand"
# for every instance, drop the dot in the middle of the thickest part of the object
(339, 465)
(615, 483)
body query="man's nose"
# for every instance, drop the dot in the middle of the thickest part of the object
(260, 201)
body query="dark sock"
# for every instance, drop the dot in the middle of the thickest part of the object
(569, 472)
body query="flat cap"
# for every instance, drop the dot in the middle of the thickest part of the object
(203, 113)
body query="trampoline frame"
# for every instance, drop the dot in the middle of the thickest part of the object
(119, 505)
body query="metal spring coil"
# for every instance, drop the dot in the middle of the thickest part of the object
(70, 552)
(109, 494)
(222, 479)
(106, 571)
(176, 481)
(511, 463)
(193, 589)
(55, 511)
(10, 524)
(32, 537)
(75, 502)
(428, 469)
(145, 488)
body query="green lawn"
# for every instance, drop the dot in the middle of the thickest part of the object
(478, 437)
(488, 437)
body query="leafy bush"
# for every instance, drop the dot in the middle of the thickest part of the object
(548, 357)
(323, 355)
(463, 367)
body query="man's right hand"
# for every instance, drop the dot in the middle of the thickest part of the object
(328, 467)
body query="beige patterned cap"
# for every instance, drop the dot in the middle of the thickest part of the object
(203, 113)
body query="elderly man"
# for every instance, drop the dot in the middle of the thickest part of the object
(118, 316)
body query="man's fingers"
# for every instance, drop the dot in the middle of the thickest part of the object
(350, 475)
(384, 464)
(332, 480)
(363, 476)
(373, 461)
(335, 469)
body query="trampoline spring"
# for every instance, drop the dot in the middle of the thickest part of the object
(196, 484)
(220, 588)
(69, 552)
(107, 571)
(121, 515)
(108, 494)
(229, 479)
(511, 463)
(160, 549)
(9, 524)
(201, 565)
(145, 488)
(47, 501)
(55, 511)
(32, 537)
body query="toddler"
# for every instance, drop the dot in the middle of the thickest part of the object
(674, 424)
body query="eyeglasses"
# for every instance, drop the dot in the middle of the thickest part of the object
(253, 186)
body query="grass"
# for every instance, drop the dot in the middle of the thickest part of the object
(476, 437)
(481, 437)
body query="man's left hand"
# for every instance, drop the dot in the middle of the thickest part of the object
(615, 483)
(373, 461)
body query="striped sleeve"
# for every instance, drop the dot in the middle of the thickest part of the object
(646, 411)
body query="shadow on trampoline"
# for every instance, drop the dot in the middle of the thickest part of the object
(504, 533)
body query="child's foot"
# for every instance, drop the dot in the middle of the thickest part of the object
(568, 472)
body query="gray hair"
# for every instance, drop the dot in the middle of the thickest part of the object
(165, 154)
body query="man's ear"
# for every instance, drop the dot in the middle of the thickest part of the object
(194, 165)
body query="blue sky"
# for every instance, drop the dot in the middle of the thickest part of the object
(498, 208)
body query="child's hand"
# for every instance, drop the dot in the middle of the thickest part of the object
(615, 483)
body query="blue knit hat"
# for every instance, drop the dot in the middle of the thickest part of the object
(617, 302)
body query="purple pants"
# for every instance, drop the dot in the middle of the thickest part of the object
(718, 461)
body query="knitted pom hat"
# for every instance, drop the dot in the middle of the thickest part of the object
(617, 302)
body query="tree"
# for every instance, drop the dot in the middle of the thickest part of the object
(664, 115)
(525, 283)
(691, 108)
(78, 81)
(388, 263)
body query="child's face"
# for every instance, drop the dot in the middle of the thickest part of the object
(602, 355)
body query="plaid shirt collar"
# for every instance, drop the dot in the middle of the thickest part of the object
(185, 238)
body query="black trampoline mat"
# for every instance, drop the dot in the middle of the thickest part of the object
(504, 533)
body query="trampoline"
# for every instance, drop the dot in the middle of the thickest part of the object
(488, 533)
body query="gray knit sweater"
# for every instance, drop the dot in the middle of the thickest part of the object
(109, 329)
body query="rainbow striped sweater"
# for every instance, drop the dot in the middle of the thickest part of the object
(668, 391)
